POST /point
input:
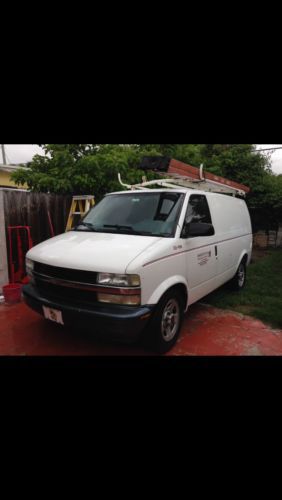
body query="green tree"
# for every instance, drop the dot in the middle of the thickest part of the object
(93, 168)
(239, 162)
(188, 153)
(82, 168)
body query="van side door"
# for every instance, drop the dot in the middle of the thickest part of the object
(198, 240)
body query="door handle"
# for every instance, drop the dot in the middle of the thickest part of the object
(215, 249)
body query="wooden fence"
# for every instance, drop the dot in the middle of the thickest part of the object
(268, 239)
(22, 208)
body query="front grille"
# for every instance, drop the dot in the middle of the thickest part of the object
(61, 293)
(65, 273)
(64, 294)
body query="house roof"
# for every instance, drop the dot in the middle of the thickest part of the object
(11, 167)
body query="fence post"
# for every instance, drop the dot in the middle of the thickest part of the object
(4, 275)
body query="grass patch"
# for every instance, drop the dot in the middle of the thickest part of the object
(262, 295)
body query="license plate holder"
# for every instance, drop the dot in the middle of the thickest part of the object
(53, 314)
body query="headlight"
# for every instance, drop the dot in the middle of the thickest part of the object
(29, 265)
(118, 279)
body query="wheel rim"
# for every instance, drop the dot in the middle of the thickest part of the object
(170, 320)
(241, 275)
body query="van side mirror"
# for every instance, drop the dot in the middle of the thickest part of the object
(194, 229)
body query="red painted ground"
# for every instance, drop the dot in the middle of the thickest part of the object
(206, 331)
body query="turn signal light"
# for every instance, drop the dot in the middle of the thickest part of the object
(126, 300)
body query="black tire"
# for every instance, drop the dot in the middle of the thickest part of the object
(239, 280)
(164, 328)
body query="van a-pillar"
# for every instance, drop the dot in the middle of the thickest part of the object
(4, 275)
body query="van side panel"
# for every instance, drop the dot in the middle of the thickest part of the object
(232, 240)
(233, 230)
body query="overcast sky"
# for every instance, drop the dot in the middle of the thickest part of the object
(21, 153)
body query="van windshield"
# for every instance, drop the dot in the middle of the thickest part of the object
(147, 214)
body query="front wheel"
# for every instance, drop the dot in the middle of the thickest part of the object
(166, 324)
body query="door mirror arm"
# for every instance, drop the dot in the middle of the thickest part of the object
(185, 230)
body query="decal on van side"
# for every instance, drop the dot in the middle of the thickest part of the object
(203, 258)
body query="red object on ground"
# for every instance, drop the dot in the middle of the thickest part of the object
(12, 293)
(19, 274)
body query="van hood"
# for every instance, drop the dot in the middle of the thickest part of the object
(101, 252)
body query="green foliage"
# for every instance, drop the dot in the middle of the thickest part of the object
(93, 168)
(269, 192)
(188, 153)
(82, 169)
(240, 163)
(262, 295)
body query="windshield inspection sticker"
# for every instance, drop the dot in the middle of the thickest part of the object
(203, 258)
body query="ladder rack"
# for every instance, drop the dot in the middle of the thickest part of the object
(205, 185)
(183, 175)
(183, 181)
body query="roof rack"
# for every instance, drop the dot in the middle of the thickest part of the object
(194, 179)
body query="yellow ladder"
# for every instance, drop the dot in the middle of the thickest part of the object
(79, 206)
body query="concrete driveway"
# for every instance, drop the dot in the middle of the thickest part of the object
(206, 331)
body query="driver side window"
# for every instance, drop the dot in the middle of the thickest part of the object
(198, 210)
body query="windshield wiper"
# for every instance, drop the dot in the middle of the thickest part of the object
(158, 235)
(130, 229)
(119, 227)
(89, 226)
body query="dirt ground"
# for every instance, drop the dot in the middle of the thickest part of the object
(206, 331)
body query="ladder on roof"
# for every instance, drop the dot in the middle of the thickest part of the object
(174, 180)
(80, 205)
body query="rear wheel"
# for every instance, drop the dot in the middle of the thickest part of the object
(166, 324)
(239, 280)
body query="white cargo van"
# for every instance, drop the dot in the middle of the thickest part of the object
(138, 259)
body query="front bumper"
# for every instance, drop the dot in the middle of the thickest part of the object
(120, 322)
